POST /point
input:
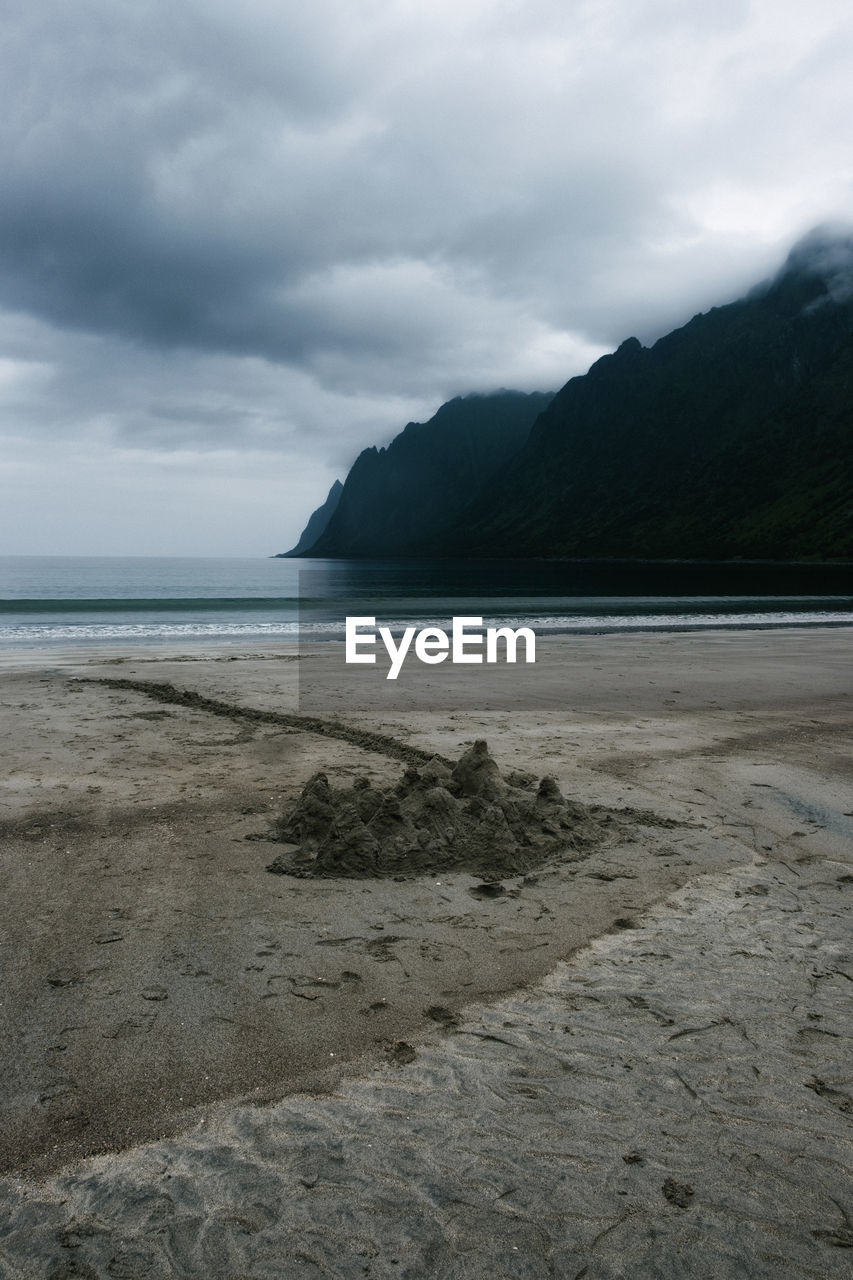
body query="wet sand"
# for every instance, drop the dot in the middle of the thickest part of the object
(658, 1078)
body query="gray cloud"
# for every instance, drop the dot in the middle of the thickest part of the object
(277, 226)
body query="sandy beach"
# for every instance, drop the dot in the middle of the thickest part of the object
(632, 1061)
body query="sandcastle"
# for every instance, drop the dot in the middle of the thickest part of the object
(435, 819)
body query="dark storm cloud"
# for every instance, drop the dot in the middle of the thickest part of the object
(150, 185)
(198, 175)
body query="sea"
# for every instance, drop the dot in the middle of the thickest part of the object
(114, 600)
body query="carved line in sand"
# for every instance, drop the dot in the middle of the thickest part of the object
(367, 739)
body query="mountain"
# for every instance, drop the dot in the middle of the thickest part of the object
(316, 525)
(416, 488)
(731, 437)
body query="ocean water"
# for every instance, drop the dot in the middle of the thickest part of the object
(67, 600)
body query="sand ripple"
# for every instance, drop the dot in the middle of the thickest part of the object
(676, 1101)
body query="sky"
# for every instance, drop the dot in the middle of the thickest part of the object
(241, 242)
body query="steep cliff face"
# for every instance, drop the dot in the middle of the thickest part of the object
(395, 499)
(317, 523)
(730, 437)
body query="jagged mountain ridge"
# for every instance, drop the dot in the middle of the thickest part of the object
(731, 437)
(418, 486)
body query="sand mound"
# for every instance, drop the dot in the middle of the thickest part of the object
(435, 819)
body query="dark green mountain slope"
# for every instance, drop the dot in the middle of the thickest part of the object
(731, 437)
(317, 522)
(397, 498)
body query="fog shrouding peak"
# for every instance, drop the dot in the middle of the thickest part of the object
(826, 252)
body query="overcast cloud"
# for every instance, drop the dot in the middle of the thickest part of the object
(239, 242)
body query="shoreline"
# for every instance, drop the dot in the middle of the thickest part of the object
(64, 653)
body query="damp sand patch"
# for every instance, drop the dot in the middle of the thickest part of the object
(438, 818)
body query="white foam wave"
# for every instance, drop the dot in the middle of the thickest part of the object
(92, 632)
